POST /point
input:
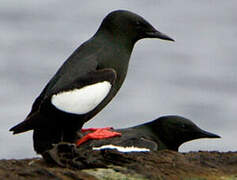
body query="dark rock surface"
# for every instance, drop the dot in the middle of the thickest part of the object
(110, 164)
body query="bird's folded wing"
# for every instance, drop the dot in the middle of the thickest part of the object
(85, 93)
(125, 141)
(78, 97)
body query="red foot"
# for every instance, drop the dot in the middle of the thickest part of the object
(99, 133)
(94, 129)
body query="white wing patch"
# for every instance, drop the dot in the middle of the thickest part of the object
(83, 100)
(121, 148)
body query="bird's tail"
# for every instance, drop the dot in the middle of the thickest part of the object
(27, 124)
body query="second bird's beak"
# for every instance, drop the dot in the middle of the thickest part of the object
(156, 34)
(205, 134)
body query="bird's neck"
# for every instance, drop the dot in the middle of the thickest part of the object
(167, 142)
(168, 146)
(121, 40)
(158, 135)
(116, 53)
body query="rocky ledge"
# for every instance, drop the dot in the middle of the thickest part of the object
(110, 164)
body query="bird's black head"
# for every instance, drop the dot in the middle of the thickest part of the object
(176, 130)
(124, 24)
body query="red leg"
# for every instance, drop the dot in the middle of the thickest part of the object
(94, 129)
(100, 133)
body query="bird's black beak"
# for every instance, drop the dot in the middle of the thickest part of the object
(156, 34)
(205, 134)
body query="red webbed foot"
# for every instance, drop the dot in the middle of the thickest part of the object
(94, 129)
(99, 133)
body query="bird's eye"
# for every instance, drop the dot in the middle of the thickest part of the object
(183, 126)
(138, 23)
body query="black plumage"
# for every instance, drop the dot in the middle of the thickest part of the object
(103, 58)
(166, 132)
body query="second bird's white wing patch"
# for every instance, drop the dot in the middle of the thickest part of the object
(121, 148)
(83, 100)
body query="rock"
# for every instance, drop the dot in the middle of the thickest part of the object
(110, 164)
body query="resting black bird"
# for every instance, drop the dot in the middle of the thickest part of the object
(167, 132)
(87, 81)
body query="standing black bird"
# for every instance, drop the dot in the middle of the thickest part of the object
(166, 132)
(87, 81)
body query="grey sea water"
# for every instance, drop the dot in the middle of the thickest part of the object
(194, 77)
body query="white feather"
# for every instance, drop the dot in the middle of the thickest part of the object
(83, 100)
(121, 148)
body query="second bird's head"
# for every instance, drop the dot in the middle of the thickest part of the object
(176, 130)
(128, 25)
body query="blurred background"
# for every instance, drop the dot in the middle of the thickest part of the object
(194, 77)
